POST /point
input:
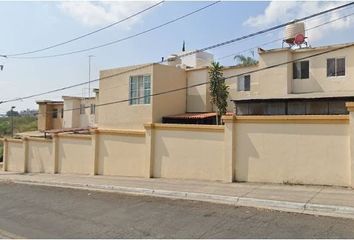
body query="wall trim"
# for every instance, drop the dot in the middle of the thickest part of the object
(126, 132)
(13, 140)
(305, 119)
(75, 136)
(34, 139)
(189, 127)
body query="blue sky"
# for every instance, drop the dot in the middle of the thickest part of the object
(31, 25)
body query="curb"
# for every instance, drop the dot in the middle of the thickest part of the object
(285, 206)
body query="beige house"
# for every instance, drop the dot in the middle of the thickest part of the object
(50, 115)
(72, 112)
(79, 112)
(324, 82)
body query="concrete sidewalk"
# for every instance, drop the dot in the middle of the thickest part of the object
(317, 200)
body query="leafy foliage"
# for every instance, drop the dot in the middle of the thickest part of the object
(21, 124)
(218, 89)
(245, 61)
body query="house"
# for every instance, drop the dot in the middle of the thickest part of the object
(71, 113)
(50, 115)
(319, 85)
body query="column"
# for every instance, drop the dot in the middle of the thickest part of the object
(229, 148)
(149, 150)
(95, 144)
(55, 150)
(5, 154)
(25, 154)
(350, 107)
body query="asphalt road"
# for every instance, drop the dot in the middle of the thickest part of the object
(47, 212)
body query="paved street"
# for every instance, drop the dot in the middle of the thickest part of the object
(49, 212)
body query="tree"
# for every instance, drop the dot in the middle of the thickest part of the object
(218, 90)
(13, 113)
(245, 61)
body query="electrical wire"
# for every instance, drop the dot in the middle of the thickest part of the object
(121, 39)
(182, 55)
(84, 35)
(207, 82)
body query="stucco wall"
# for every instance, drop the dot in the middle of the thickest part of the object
(188, 154)
(75, 155)
(121, 155)
(293, 153)
(122, 115)
(318, 80)
(15, 156)
(166, 78)
(40, 156)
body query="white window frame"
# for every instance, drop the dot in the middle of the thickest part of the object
(335, 67)
(243, 88)
(299, 77)
(142, 91)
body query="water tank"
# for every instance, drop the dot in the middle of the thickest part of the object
(292, 30)
(173, 60)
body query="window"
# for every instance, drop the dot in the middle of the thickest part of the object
(93, 108)
(140, 89)
(244, 83)
(55, 113)
(82, 108)
(301, 70)
(335, 67)
(62, 112)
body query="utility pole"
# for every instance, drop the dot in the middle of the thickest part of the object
(12, 120)
(89, 75)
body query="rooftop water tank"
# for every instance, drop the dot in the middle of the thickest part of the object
(292, 30)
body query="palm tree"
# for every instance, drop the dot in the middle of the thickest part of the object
(218, 90)
(245, 61)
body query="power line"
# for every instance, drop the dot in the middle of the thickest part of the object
(122, 39)
(182, 55)
(84, 35)
(308, 29)
(206, 82)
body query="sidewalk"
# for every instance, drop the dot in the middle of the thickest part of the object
(317, 200)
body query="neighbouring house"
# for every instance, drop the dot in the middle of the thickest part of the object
(71, 113)
(79, 112)
(319, 85)
(50, 115)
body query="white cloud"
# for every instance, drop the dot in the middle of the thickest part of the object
(95, 14)
(277, 12)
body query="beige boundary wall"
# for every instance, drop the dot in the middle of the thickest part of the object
(274, 149)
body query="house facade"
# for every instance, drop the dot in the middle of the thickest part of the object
(318, 85)
(50, 115)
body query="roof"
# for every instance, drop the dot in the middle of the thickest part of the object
(306, 49)
(78, 98)
(201, 115)
(49, 102)
(312, 95)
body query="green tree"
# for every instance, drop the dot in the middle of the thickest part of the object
(219, 91)
(245, 61)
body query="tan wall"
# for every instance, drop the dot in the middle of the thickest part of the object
(122, 115)
(198, 97)
(40, 156)
(188, 153)
(75, 155)
(166, 78)
(301, 153)
(121, 154)
(273, 149)
(15, 156)
(318, 81)
(71, 117)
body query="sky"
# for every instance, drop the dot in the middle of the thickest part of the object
(30, 25)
